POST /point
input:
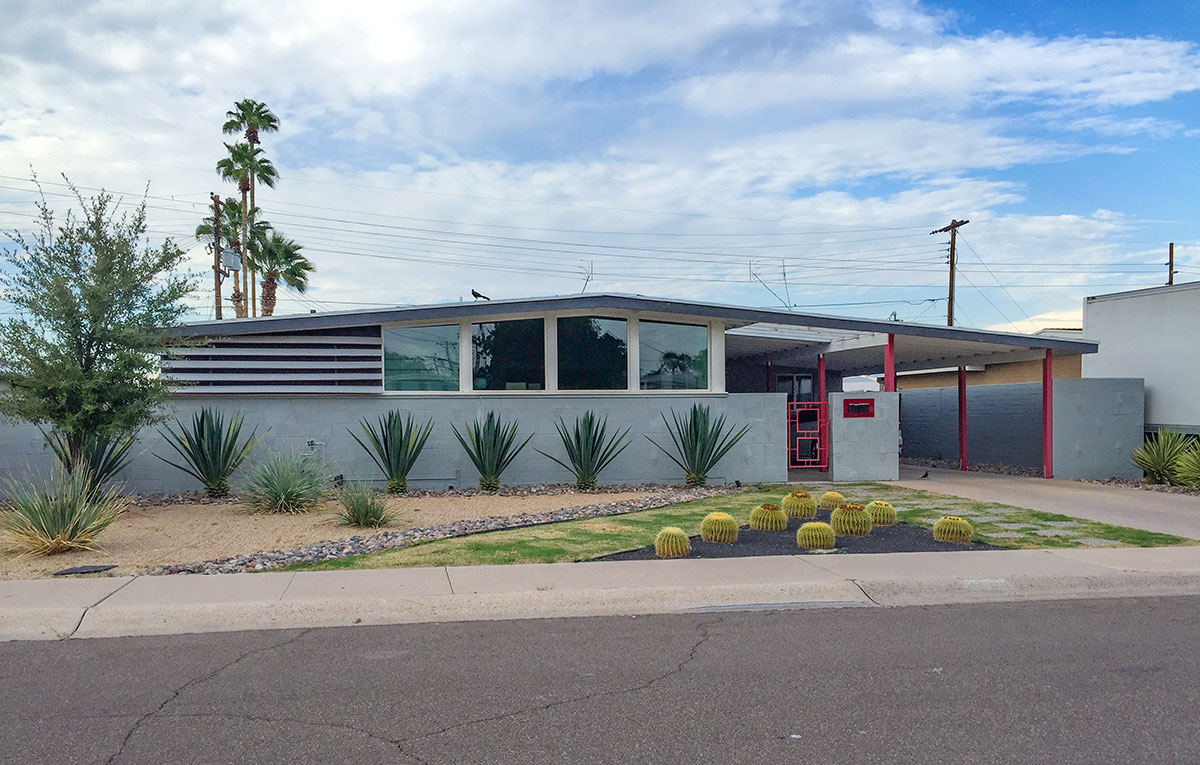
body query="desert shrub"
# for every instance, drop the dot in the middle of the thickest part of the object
(768, 517)
(882, 513)
(210, 449)
(1158, 456)
(394, 444)
(952, 528)
(851, 520)
(672, 542)
(360, 505)
(589, 448)
(699, 442)
(1187, 468)
(720, 528)
(831, 500)
(815, 535)
(287, 483)
(101, 456)
(491, 446)
(63, 512)
(799, 504)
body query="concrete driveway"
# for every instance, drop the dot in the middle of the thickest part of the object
(1150, 510)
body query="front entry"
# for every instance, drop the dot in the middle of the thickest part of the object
(808, 423)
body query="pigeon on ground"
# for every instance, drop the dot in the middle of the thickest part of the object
(926, 474)
(479, 295)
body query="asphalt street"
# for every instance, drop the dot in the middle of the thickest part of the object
(1054, 681)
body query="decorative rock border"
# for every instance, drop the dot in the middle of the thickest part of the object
(387, 540)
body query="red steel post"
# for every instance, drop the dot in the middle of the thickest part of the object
(962, 418)
(1048, 415)
(889, 364)
(823, 432)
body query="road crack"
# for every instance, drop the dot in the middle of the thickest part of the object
(197, 681)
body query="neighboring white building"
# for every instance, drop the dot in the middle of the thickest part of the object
(1150, 334)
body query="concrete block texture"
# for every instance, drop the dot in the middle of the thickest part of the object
(1097, 423)
(865, 448)
(321, 424)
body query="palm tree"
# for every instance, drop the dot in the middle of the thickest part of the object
(231, 230)
(236, 167)
(251, 118)
(281, 261)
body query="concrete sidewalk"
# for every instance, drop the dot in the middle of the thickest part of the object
(1137, 508)
(55, 609)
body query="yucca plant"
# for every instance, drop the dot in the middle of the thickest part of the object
(1187, 468)
(210, 449)
(394, 445)
(287, 483)
(700, 442)
(589, 448)
(101, 458)
(1157, 456)
(491, 446)
(54, 515)
(360, 505)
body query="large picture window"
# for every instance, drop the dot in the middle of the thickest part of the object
(673, 356)
(592, 354)
(509, 355)
(421, 358)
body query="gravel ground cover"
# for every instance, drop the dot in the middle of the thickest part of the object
(1159, 487)
(751, 542)
(158, 531)
(975, 467)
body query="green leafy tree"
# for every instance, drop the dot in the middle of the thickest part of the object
(281, 261)
(94, 301)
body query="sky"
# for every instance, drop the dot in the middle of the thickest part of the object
(760, 153)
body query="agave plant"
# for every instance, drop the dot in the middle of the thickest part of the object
(287, 483)
(700, 442)
(101, 458)
(589, 448)
(1158, 456)
(64, 512)
(394, 445)
(210, 449)
(491, 446)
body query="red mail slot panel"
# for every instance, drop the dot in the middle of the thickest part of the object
(858, 407)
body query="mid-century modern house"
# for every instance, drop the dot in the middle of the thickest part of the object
(307, 379)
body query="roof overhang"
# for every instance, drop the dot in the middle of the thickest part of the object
(854, 341)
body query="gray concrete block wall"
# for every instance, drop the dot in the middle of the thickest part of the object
(290, 423)
(1004, 424)
(865, 448)
(1098, 422)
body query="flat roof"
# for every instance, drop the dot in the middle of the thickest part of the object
(1145, 292)
(736, 317)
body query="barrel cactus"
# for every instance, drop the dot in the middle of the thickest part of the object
(672, 542)
(815, 535)
(851, 520)
(799, 504)
(830, 500)
(768, 517)
(882, 513)
(953, 528)
(720, 528)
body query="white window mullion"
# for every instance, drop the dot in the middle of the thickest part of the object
(466, 361)
(551, 353)
(633, 353)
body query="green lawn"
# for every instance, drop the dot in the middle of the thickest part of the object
(592, 537)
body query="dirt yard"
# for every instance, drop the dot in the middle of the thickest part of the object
(151, 536)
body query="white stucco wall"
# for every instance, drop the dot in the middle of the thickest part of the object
(1150, 334)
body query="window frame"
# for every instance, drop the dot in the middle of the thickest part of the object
(385, 328)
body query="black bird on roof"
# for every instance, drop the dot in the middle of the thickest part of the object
(479, 295)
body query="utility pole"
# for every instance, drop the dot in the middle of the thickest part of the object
(1170, 264)
(953, 229)
(217, 251)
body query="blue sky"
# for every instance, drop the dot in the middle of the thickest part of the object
(760, 153)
